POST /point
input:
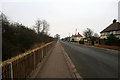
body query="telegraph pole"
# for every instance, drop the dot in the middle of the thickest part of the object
(76, 31)
(69, 37)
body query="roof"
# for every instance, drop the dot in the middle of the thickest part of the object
(78, 35)
(112, 27)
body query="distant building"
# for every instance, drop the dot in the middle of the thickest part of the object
(114, 29)
(57, 36)
(77, 37)
(119, 11)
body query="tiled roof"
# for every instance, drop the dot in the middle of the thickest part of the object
(112, 27)
(77, 35)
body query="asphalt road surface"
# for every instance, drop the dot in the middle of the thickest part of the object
(92, 62)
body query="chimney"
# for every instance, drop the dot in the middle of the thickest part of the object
(114, 21)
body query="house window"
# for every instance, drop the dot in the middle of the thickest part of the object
(117, 32)
(104, 34)
(114, 32)
(108, 33)
(111, 32)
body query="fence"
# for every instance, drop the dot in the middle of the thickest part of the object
(87, 42)
(96, 43)
(21, 66)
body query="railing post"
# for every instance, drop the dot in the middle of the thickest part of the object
(34, 59)
(0, 72)
(11, 69)
(42, 53)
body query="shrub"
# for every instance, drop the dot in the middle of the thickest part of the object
(112, 40)
(17, 38)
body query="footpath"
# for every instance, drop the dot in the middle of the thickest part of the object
(55, 66)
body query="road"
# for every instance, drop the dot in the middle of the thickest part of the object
(92, 62)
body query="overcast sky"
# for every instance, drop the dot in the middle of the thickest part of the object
(64, 16)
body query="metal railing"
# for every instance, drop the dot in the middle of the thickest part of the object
(21, 66)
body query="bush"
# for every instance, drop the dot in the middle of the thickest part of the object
(17, 38)
(112, 40)
(81, 42)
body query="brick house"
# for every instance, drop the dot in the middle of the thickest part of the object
(77, 37)
(113, 28)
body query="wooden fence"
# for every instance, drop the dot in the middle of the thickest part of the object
(21, 66)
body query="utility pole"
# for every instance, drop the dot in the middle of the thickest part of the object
(76, 31)
(69, 37)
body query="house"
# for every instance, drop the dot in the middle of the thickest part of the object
(77, 37)
(114, 29)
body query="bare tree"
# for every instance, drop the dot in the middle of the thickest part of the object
(96, 35)
(42, 26)
(38, 24)
(45, 27)
(57, 36)
(88, 33)
(3, 18)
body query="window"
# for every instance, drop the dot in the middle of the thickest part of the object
(117, 32)
(111, 32)
(114, 32)
(104, 34)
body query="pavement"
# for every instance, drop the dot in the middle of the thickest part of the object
(55, 66)
(92, 62)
